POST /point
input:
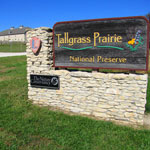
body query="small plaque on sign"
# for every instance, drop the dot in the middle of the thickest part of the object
(35, 44)
(44, 81)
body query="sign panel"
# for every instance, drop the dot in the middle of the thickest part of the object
(44, 81)
(116, 43)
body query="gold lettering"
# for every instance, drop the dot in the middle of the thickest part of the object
(62, 41)
(81, 59)
(79, 40)
(83, 40)
(109, 60)
(88, 40)
(71, 58)
(96, 35)
(124, 60)
(119, 39)
(115, 39)
(71, 41)
(108, 37)
(114, 60)
(58, 35)
(65, 37)
(104, 40)
(99, 58)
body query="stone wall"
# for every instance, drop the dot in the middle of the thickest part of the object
(108, 96)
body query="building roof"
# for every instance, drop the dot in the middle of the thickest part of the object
(14, 31)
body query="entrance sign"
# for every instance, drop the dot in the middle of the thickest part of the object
(116, 43)
(35, 44)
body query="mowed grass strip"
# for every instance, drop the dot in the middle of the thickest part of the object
(148, 96)
(24, 126)
(13, 47)
(148, 88)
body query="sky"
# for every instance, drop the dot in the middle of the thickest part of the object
(45, 13)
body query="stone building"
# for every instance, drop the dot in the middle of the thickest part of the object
(14, 34)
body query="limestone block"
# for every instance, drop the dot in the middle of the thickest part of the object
(144, 90)
(59, 72)
(99, 114)
(112, 91)
(60, 92)
(86, 113)
(80, 74)
(97, 109)
(105, 106)
(130, 115)
(119, 76)
(68, 97)
(76, 110)
(99, 75)
(88, 85)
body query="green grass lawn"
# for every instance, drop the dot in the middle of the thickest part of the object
(148, 96)
(24, 126)
(13, 47)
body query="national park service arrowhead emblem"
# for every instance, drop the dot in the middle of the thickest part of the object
(35, 44)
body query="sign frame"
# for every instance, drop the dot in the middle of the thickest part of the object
(105, 19)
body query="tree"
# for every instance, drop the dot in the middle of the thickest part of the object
(148, 16)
